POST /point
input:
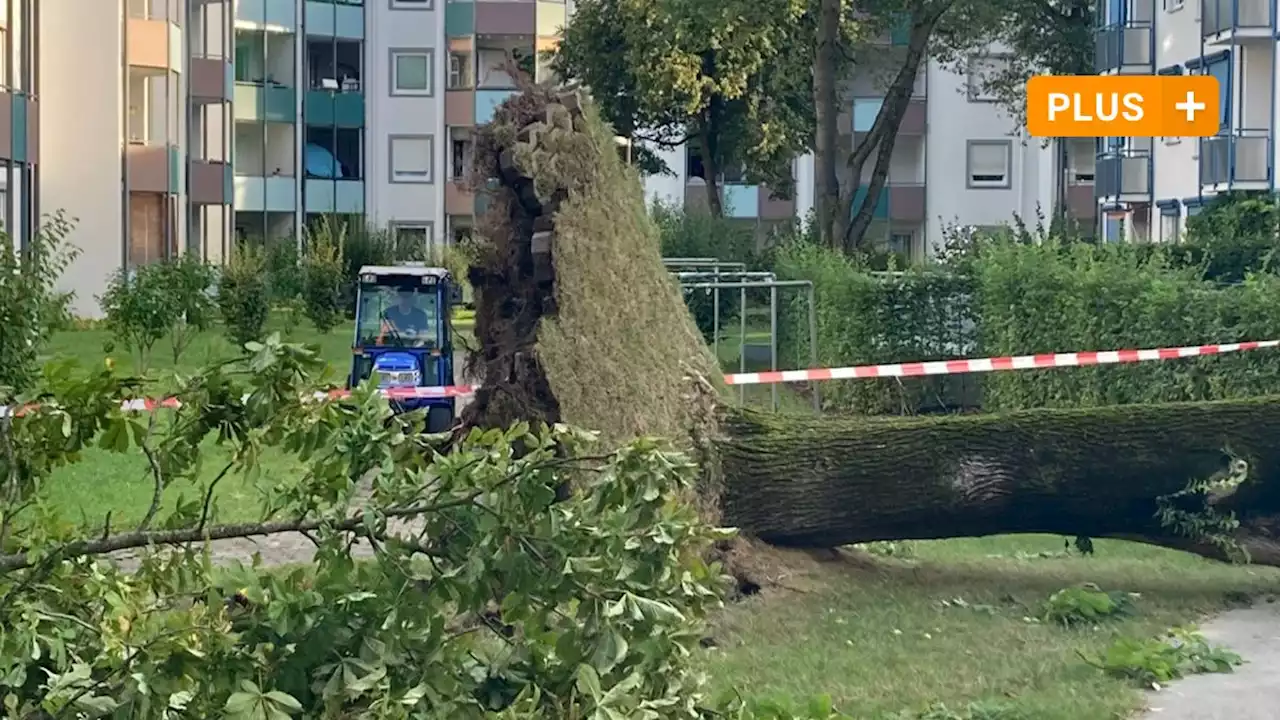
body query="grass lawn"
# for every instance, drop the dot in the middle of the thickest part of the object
(882, 635)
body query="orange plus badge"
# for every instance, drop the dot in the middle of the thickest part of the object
(1123, 106)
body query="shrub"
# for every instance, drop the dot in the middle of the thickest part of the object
(325, 286)
(280, 257)
(367, 245)
(31, 307)
(140, 308)
(190, 287)
(244, 294)
(1235, 235)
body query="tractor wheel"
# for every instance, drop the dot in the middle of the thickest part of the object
(439, 419)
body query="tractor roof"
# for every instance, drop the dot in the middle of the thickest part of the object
(409, 270)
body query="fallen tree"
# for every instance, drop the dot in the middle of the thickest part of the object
(579, 322)
(829, 481)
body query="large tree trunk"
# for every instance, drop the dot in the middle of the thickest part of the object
(826, 482)
(826, 112)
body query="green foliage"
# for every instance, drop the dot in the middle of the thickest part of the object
(281, 258)
(1235, 235)
(1190, 512)
(366, 245)
(244, 294)
(140, 308)
(31, 306)
(190, 282)
(495, 600)
(1152, 661)
(734, 73)
(866, 317)
(1085, 605)
(325, 285)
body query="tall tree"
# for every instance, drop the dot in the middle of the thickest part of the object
(731, 74)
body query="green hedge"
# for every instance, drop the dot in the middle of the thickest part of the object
(1021, 298)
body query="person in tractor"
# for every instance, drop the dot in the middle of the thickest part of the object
(405, 318)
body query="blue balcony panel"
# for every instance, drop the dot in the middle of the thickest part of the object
(269, 15)
(742, 201)
(324, 195)
(269, 194)
(487, 101)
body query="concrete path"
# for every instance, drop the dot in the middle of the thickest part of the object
(1252, 692)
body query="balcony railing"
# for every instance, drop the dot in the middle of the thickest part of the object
(1244, 156)
(1229, 15)
(1124, 46)
(1124, 172)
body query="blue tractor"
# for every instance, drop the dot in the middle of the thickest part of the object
(403, 333)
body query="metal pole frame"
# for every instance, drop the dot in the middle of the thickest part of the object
(773, 286)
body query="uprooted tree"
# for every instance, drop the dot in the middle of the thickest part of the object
(578, 322)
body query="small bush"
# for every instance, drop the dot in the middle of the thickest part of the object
(280, 257)
(30, 305)
(1084, 605)
(141, 308)
(324, 280)
(1152, 661)
(244, 294)
(190, 282)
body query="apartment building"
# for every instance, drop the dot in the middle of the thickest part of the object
(1147, 188)
(491, 45)
(19, 118)
(958, 159)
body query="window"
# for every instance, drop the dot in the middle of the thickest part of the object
(988, 163)
(1169, 225)
(900, 243)
(411, 235)
(412, 4)
(411, 158)
(411, 72)
(459, 71)
(983, 71)
(459, 158)
(1221, 69)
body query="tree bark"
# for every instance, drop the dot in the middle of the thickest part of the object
(884, 131)
(826, 482)
(826, 111)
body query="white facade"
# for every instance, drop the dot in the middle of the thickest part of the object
(409, 121)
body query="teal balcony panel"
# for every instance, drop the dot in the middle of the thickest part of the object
(273, 15)
(881, 210)
(175, 169)
(742, 201)
(19, 127)
(459, 19)
(487, 101)
(324, 195)
(332, 20)
(334, 109)
(266, 194)
(258, 103)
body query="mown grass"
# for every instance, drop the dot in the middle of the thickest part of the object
(883, 635)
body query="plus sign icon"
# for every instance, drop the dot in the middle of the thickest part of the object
(1123, 106)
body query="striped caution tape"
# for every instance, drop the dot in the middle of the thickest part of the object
(994, 364)
(146, 404)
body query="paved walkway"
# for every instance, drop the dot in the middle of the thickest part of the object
(1252, 692)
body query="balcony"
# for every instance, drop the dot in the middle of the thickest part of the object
(266, 194)
(906, 201)
(1124, 49)
(325, 195)
(334, 109)
(1239, 161)
(265, 103)
(458, 200)
(154, 44)
(459, 19)
(154, 168)
(487, 101)
(1229, 22)
(881, 210)
(209, 80)
(506, 18)
(330, 19)
(210, 183)
(19, 126)
(914, 120)
(1124, 175)
(267, 15)
(775, 208)
(1082, 204)
(551, 18)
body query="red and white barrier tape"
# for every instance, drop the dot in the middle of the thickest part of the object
(994, 364)
(145, 404)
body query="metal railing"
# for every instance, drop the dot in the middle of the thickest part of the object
(1242, 155)
(1224, 15)
(1123, 45)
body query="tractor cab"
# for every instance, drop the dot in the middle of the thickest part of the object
(403, 334)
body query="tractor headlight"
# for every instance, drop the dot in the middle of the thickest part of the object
(399, 378)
